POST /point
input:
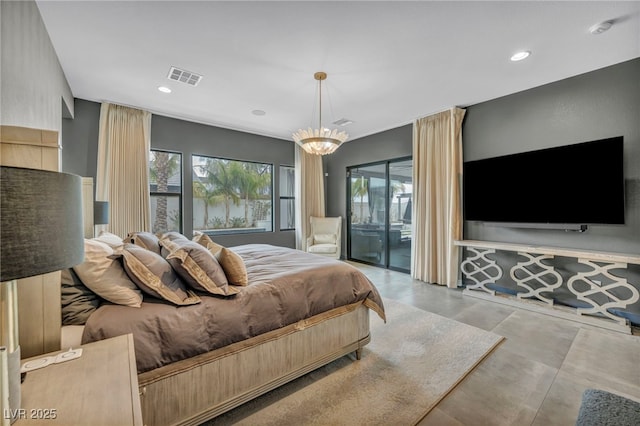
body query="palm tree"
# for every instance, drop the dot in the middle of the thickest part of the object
(252, 178)
(163, 166)
(206, 194)
(220, 179)
(247, 181)
(360, 188)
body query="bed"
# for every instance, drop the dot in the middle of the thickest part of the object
(297, 312)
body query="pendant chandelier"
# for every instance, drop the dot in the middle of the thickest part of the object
(320, 141)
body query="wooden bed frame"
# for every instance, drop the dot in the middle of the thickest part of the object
(197, 389)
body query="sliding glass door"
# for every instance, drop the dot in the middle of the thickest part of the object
(367, 230)
(379, 216)
(400, 200)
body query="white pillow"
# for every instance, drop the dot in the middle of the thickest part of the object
(112, 240)
(102, 272)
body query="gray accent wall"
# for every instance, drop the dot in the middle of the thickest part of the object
(80, 141)
(34, 88)
(595, 105)
(80, 144)
(387, 145)
(591, 106)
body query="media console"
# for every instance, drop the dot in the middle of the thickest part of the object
(598, 287)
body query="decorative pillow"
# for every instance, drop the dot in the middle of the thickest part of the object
(78, 302)
(112, 240)
(197, 267)
(234, 267)
(203, 239)
(103, 274)
(232, 263)
(215, 249)
(173, 236)
(324, 239)
(153, 274)
(144, 239)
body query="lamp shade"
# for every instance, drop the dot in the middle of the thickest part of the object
(100, 212)
(41, 226)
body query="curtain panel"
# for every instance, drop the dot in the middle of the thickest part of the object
(309, 193)
(437, 208)
(123, 168)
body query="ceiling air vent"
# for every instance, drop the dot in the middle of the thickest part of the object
(343, 122)
(184, 76)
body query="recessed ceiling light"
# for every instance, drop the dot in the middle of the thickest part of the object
(600, 27)
(164, 89)
(520, 55)
(258, 112)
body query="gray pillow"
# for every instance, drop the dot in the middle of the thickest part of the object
(173, 236)
(197, 266)
(154, 276)
(144, 239)
(78, 302)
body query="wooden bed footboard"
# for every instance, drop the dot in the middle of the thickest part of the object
(195, 390)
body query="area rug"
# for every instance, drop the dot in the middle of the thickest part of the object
(412, 362)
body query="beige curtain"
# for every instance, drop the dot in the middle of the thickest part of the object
(123, 168)
(309, 193)
(437, 207)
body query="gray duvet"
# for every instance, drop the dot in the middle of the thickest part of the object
(285, 286)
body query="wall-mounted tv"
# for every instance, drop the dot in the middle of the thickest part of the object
(573, 184)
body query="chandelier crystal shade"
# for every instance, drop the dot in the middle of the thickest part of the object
(320, 141)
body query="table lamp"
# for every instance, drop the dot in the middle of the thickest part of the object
(100, 214)
(41, 231)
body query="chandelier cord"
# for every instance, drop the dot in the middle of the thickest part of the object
(320, 98)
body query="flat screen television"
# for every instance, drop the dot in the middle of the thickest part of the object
(573, 184)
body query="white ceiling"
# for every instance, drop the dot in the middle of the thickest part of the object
(388, 62)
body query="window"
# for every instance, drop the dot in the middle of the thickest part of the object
(165, 188)
(287, 198)
(231, 197)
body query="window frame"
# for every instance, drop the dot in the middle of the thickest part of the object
(286, 197)
(249, 230)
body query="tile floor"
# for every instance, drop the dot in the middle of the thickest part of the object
(537, 375)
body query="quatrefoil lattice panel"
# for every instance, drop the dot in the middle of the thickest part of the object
(587, 289)
(481, 270)
(535, 277)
